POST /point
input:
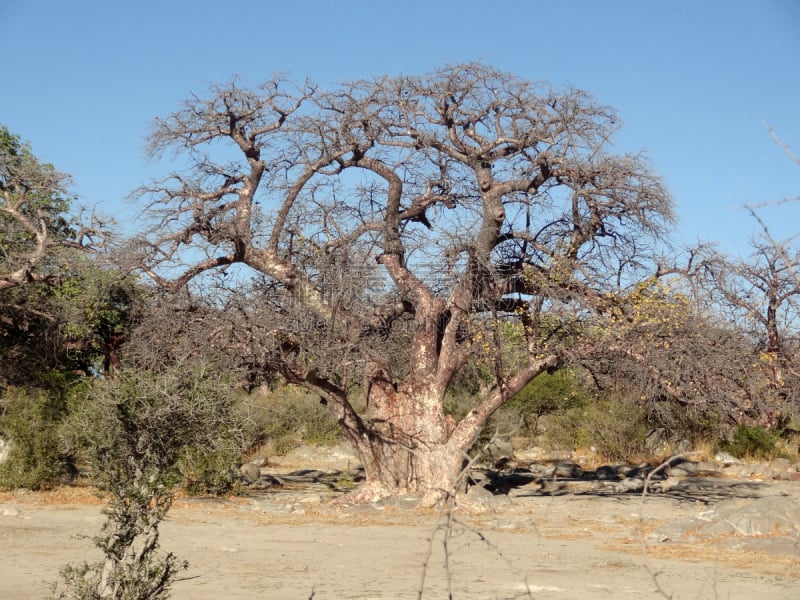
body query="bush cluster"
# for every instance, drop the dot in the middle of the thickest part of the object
(290, 416)
(31, 421)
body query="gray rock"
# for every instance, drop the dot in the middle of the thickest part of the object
(664, 485)
(707, 467)
(568, 469)
(781, 464)
(479, 499)
(737, 471)
(259, 460)
(625, 486)
(749, 517)
(762, 471)
(250, 472)
(559, 455)
(683, 469)
(726, 459)
(744, 517)
(606, 473)
(499, 452)
(657, 442)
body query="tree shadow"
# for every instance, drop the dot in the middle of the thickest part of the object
(568, 479)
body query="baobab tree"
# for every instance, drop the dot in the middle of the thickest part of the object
(398, 229)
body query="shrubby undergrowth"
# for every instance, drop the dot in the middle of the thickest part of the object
(135, 432)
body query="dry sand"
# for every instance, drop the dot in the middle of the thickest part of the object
(289, 546)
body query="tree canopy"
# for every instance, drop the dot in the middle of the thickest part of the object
(429, 211)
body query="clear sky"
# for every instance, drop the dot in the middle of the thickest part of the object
(694, 82)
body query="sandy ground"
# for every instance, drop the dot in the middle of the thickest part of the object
(290, 546)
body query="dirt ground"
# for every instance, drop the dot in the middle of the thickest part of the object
(553, 547)
(293, 545)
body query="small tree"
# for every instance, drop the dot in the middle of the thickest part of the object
(670, 350)
(761, 293)
(134, 430)
(394, 226)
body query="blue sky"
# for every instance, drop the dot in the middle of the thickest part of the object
(694, 82)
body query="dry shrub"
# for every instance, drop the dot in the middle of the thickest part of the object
(289, 416)
(615, 428)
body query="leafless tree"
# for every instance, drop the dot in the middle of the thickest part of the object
(673, 352)
(397, 229)
(762, 294)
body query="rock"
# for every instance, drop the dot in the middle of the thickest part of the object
(9, 511)
(656, 443)
(664, 485)
(781, 464)
(250, 472)
(606, 473)
(559, 455)
(499, 452)
(478, 499)
(530, 454)
(736, 471)
(743, 517)
(762, 471)
(772, 515)
(339, 457)
(313, 499)
(707, 467)
(726, 459)
(259, 460)
(685, 468)
(568, 469)
(625, 486)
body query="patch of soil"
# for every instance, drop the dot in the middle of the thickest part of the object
(292, 544)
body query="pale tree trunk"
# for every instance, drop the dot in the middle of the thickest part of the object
(408, 445)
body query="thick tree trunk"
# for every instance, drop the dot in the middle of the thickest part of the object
(432, 470)
(406, 446)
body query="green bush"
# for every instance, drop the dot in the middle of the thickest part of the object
(203, 472)
(31, 420)
(547, 394)
(753, 442)
(134, 431)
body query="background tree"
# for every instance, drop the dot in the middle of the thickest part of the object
(44, 267)
(394, 227)
(674, 354)
(761, 295)
(64, 312)
(34, 219)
